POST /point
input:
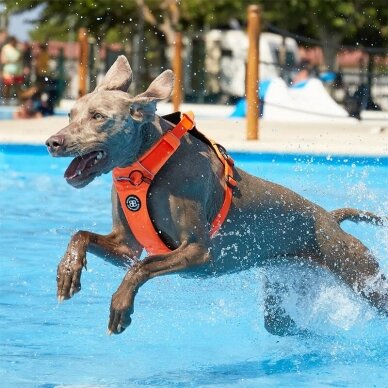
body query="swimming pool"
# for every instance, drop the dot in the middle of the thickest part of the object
(184, 332)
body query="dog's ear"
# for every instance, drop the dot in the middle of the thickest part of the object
(118, 77)
(143, 111)
(160, 88)
(143, 106)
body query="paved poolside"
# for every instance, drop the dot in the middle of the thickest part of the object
(336, 137)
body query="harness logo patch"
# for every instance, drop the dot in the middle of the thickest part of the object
(133, 203)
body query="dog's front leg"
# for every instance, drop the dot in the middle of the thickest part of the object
(187, 255)
(115, 247)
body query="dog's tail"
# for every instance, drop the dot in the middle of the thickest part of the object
(356, 215)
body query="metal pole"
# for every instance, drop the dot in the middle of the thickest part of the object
(252, 84)
(178, 70)
(83, 61)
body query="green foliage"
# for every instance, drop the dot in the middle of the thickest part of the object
(59, 18)
(350, 21)
(212, 13)
(362, 22)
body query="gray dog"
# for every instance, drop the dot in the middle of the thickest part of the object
(266, 223)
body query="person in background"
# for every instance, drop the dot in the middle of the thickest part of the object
(3, 37)
(31, 104)
(304, 72)
(42, 65)
(3, 40)
(11, 59)
(27, 63)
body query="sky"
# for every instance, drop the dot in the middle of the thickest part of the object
(19, 25)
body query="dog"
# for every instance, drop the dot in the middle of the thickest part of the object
(265, 222)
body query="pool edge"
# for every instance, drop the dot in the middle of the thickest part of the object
(241, 155)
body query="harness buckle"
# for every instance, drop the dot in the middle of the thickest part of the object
(136, 178)
(225, 154)
(230, 181)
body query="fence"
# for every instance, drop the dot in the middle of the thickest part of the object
(214, 66)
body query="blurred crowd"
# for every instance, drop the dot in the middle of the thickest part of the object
(25, 77)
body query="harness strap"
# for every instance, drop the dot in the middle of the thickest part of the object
(230, 183)
(157, 156)
(132, 184)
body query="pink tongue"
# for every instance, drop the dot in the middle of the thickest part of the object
(79, 164)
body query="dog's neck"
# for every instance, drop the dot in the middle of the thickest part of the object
(152, 131)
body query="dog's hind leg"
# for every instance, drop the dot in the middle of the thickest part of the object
(284, 282)
(348, 258)
(276, 319)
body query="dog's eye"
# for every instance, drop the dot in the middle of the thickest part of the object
(69, 117)
(98, 116)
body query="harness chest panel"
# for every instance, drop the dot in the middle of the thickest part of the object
(132, 184)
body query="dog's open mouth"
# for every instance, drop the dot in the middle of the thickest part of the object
(84, 168)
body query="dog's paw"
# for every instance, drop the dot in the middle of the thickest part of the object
(121, 309)
(68, 279)
(119, 329)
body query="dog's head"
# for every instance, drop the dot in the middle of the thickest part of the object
(108, 127)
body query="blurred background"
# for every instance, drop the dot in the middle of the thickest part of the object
(341, 43)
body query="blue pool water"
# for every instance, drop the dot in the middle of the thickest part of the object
(206, 333)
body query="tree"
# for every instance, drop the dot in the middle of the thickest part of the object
(332, 22)
(60, 18)
(100, 17)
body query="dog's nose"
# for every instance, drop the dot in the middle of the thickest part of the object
(55, 143)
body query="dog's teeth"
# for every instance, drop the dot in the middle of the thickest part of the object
(95, 161)
(79, 172)
(99, 156)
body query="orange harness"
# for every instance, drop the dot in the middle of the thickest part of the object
(133, 182)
